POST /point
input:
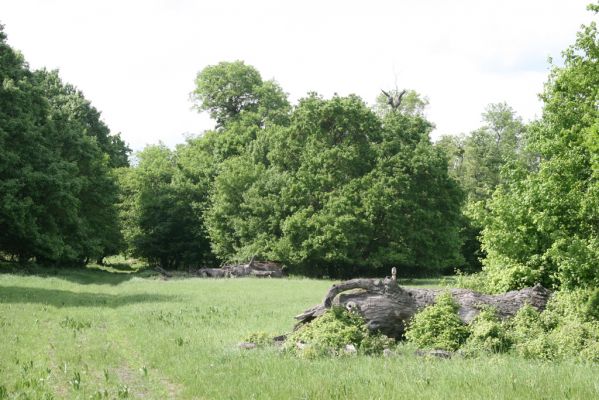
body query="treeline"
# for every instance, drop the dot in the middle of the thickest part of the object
(57, 192)
(326, 186)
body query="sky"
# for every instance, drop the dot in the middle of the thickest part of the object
(136, 61)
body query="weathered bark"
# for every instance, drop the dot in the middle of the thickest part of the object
(266, 269)
(386, 306)
(212, 273)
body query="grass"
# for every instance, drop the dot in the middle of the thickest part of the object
(95, 334)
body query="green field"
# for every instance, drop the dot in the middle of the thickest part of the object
(91, 334)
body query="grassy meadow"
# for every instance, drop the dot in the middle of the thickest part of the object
(96, 334)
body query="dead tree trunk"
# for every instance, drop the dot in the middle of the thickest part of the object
(386, 306)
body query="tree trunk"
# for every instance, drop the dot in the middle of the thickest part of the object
(386, 306)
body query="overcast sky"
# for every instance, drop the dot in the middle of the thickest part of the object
(137, 60)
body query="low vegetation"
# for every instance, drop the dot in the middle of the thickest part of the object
(567, 329)
(81, 334)
(337, 332)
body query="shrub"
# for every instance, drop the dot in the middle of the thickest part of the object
(477, 282)
(438, 326)
(487, 334)
(331, 332)
(507, 275)
(261, 339)
(593, 305)
(527, 333)
(566, 329)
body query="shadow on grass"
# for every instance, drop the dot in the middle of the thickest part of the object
(67, 298)
(83, 275)
(120, 267)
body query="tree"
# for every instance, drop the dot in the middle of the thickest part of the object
(476, 161)
(229, 90)
(406, 102)
(57, 192)
(85, 141)
(23, 113)
(339, 191)
(543, 225)
(157, 208)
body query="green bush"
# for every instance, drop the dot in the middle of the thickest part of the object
(506, 275)
(566, 329)
(528, 334)
(438, 326)
(593, 304)
(332, 332)
(487, 334)
(261, 339)
(477, 282)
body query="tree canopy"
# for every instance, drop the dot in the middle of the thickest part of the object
(57, 197)
(339, 190)
(543, 225)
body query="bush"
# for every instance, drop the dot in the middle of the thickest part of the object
(261, 339)
(527, 333)
(566, 329)
(593, 305)
(507, 275)
(438, 326)
(477, 281)
(487, 334)
(332, 332)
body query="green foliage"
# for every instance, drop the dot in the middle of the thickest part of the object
(487, 334)
(261, 338)
(57, 192)
(542, 225)
(438, 326)
(330, 333)
(528, 334)
(338, 187)
(567, 329)
(475, 161)
(593, 304)
(159, 210)
(564, 330)
(232, 90)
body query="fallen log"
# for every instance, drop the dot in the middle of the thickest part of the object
(163, 272)
(212, 273)
(388, 307)
(265, 269)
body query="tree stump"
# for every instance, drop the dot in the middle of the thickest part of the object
(387, 307)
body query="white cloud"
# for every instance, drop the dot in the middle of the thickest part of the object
(136, 60)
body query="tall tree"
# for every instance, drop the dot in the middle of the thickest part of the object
(23, 159)
(230, 90)
(476, 161)
(544, 225)
(157, 207)
(56, 202)
(340, 191)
